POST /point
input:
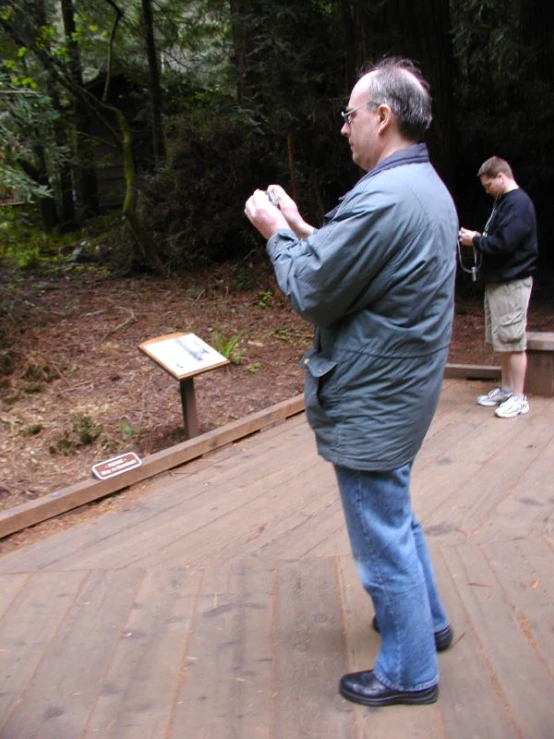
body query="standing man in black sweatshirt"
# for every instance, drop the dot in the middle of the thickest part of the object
(507, 253)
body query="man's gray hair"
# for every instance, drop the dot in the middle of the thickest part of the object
(398, 83)
(493, 167)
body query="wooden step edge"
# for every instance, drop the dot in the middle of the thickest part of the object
(471, 372)
(86, 491)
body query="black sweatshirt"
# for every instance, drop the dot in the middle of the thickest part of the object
(509, 244)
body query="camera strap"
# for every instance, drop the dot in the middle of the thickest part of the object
(475, 267)
(477, 256)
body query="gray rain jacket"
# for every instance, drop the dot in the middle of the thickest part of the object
(377, 281)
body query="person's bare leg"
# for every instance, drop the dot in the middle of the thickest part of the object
(513, 366)
(506, 370)
(518, 364)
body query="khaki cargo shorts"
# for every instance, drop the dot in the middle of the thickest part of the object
(506, 305)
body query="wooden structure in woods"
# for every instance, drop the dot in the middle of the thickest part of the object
(130, 98)
(222, 600)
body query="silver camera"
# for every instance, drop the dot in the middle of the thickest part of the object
(273, 199)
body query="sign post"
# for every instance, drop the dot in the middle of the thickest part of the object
(183, 356)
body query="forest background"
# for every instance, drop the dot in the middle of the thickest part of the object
(193, 105)
(203, 101)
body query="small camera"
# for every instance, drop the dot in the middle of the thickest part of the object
(273, 199)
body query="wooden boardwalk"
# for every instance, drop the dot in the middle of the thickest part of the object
(223, 603)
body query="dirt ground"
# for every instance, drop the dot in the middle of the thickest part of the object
(76, 390)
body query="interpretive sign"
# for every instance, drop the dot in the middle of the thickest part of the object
(116, 465)
(183, 355)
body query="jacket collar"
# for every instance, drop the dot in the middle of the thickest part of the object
(414, 154)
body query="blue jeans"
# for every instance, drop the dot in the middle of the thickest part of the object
(394, 566)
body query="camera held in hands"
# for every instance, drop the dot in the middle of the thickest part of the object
(273, 199)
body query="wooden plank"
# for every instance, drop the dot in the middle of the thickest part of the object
(456, 418)
(335, 543)
(26, 631)
(471, 372)
(540, 341)
(522, 683)
(139, 687)
(182, 526)
(473, 481)
(523, 568)
(62, 691)
(492, 487)
(10, 586)
(469, 701)
(309, 538)
(539, 378)
(86, 491)
(237, 531)
(188, 492)
(362, 647)
(310, 656)
(228, 687)
(528, 509)
(273, 498)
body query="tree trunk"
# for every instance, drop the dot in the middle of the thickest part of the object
(240, 47)
(158, 144)
(39, 174)
(84, 174)
(66, 205)
(143, 239)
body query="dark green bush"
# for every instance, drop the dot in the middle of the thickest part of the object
(195, 205)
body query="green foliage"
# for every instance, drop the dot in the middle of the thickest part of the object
(281, 333)
(82, 433)
(228, 347)
(254, 367)
(25, 245)
(195, 206)
(25, 118)
(246, 104)
(127, 429)
(264, 298)
(39, 372)
(33, 430)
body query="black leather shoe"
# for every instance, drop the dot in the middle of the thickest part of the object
(443, 638)
(363, 687)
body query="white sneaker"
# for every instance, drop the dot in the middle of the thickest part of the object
(514, 406)
(495, 397)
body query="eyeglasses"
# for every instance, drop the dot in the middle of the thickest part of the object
(348, 114)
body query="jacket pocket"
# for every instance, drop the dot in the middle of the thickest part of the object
(319, 379)
(319, 407)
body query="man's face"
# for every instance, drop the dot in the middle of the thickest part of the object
(362, 131)
(493, 186)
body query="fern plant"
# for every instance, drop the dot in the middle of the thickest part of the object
(228, 347)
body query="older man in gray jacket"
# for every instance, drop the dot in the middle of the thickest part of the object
(377, 282)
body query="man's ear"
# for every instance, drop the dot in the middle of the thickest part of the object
(385, 116)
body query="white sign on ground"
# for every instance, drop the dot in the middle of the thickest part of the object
(116, 465)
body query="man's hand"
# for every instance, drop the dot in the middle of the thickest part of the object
(290, 210)
(465, 236)
(269, 218)
(264, 216)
